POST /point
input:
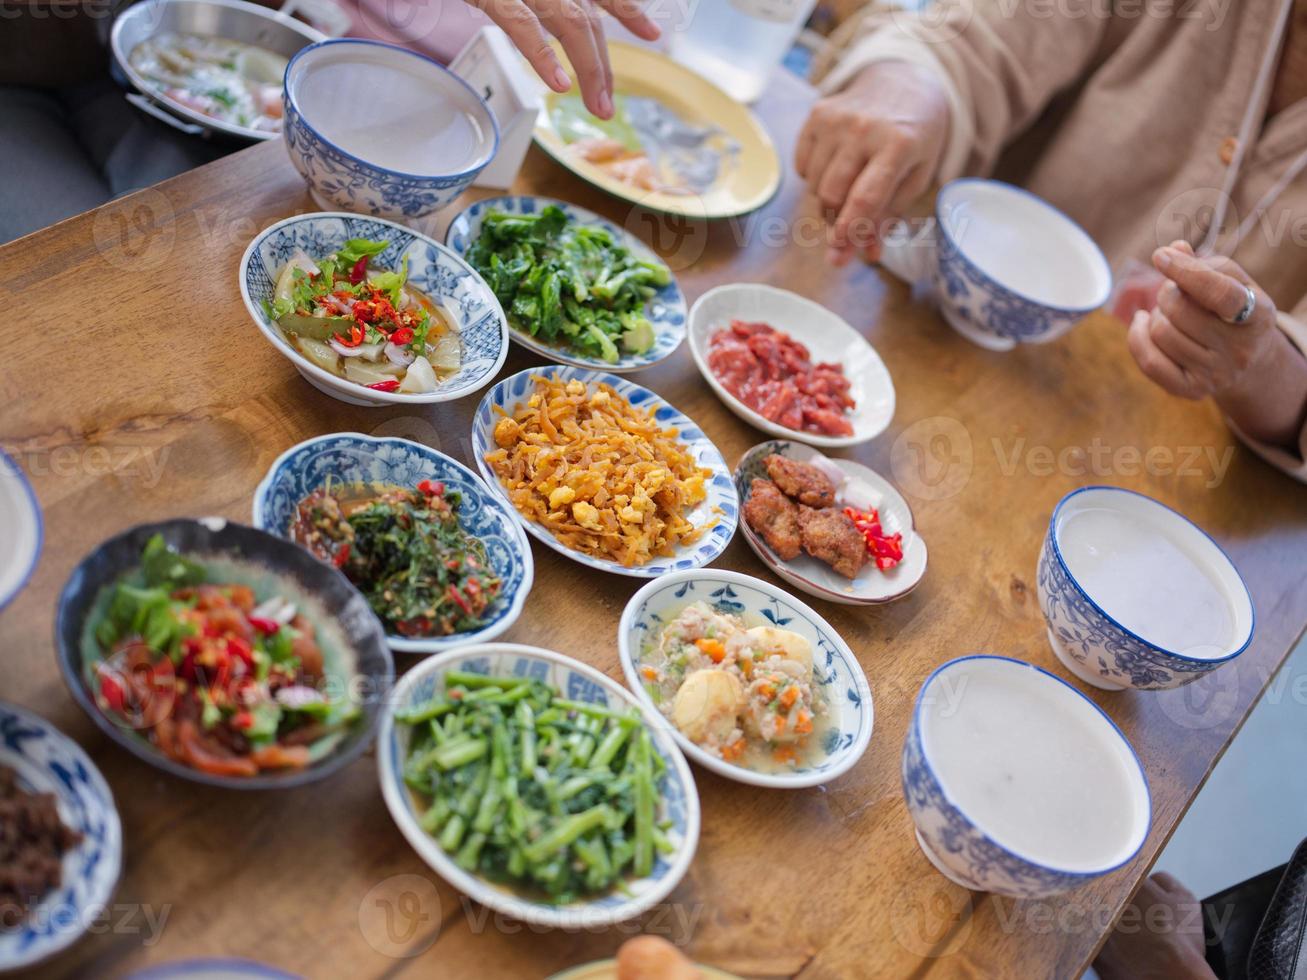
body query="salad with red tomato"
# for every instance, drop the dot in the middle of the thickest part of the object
(214, 678)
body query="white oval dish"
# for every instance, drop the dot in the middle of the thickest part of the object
(828, 338)
(678, 799)
(872, 586)
(849, 694)
(22, 530)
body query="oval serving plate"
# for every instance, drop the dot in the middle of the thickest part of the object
(678, 799)
(48, 761)
(352, 458)
(665, 311)
(836, 670)
(872, 586)
(827, 336)
(721, 504)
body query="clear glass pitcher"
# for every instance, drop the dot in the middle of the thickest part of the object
(737, 44)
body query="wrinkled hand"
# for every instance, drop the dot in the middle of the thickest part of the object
(1159, 936)
(870, 149)
(578, 28)
(1186, 344)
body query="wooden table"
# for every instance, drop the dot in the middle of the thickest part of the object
(140, 390)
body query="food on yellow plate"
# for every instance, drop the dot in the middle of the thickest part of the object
(743, 693)
(599, 474)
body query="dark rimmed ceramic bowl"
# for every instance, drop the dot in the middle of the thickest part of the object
(353, 643)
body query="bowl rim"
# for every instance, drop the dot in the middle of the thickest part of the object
(756, 419)
(1097, 252)
(914, 731)
(431, 644)
(9, 466)
(1056, 549)
(242, 966)
(740, 774)
(142, 749)
(568, 372)
(474, 886)
(351, 388)
(113, 820)
(289, 96)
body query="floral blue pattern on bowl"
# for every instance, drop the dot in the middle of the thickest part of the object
(349, 457)
(722, 503)
(961, 850)
(678, 799)
(666, 311)
(339, 179)
(22, 530)
(837, 674)
(1092, 644)
(47, 761)
(443, 276)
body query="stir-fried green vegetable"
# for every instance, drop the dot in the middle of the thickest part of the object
(529, 788)
(568, 283)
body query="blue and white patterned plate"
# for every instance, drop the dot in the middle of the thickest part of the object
(348, 457)
(665, 311)
(213, 968)
(21, 530)
(838, 675)
(432, 268)
(721, 505)
(678, 799)
(47, 761)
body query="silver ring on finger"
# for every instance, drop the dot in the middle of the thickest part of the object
(1249, 305)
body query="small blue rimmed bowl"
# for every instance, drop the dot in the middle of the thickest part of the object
(213, 968)
(47, 761)
(677, 802)
(837, 674)
(721, 507)
(1137, 595)
(442, 277)
(1010, 268)
(1017, 783)
(665, 311)
(351, 106)
(350, 458)
(21, 530)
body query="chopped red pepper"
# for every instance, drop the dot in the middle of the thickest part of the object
(432, 488)
(242, 719)
(111, 691)
(459, 600)
(241, 650)
(391, 385)
(264, 625)
(402, 336)
(359, 272)
(342, 556)
(885, 549)
(353, 340)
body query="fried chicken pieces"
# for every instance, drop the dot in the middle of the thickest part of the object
(795, 510)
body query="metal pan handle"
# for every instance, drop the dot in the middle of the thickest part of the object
(149, 108)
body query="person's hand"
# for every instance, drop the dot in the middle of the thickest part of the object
(652, 958)
(578, 28)
(1187, 344)
(870, 149)
(1158, 937)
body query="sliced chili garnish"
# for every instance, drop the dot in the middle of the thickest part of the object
(391, 385)
(359, 272)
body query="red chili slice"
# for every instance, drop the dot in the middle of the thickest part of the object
(391, 385)
(359, 272)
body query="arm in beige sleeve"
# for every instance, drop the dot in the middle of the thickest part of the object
(1288, 388)
(1001, 61)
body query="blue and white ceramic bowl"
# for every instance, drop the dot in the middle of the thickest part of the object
(443, 276)
(351, 458)
(1011, 268)
(21, 530)
(1017, 783)
(47, 761)
(382, 130)
(665, 311)
(1136, 595)
(678, 799)
(721, 507)
(839, 677)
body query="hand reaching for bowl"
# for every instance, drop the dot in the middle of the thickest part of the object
(1190, 347)
(868, 150)
(577, 25)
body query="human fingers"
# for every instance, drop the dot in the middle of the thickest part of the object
(630, 14)
(1156, 364)
(523, 28)
(867, 203)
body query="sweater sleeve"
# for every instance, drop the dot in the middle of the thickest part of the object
(1001, 63)
(1292, 461)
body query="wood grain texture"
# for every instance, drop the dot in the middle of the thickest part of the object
(150, 394)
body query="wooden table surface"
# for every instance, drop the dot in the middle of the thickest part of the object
(141, 390)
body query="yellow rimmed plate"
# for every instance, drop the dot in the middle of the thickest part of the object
(746, 182)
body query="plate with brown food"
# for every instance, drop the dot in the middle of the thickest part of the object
(832, 527)
(60, 839)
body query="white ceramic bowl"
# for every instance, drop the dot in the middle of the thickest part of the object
(678, 801)
(827, 337)
(872, 586)
(21, 530)
(1136, 595)
(836, 669)
(1010, 267)
(382, 130)
(1017, 783)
